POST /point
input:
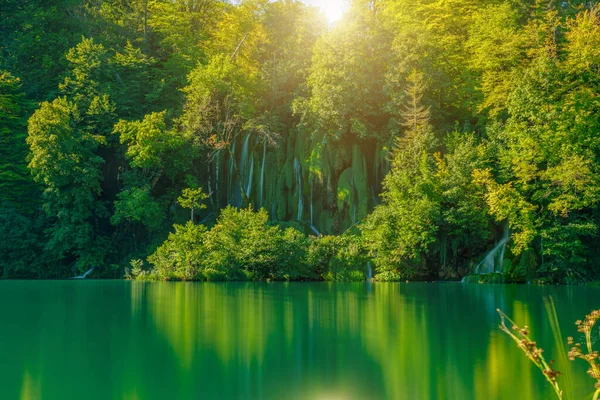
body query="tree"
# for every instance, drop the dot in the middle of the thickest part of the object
(22, 248)
(153, 151)
(548, 182)
(346, 78)
(16, 185)
(59, 145)
(192, 199)
(399, 231)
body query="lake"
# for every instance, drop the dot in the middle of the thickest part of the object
(135, 340)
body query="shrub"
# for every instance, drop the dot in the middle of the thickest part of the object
(338, 258)
(182, 256)
(241, 246)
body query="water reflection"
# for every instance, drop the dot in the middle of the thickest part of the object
(121, 340)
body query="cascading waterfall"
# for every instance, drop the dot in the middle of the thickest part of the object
(244, 159)
(230, 177)
(310, 182)
(250, 176)
(217, 168)
(239, 187)
(241, 173)
(494, 260)
(369, 270)
(312, 222)
(262, 173)
(374, 196)
(353, 216)
(298, 176)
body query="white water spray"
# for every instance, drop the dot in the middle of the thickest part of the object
(298, 176)
(250, 176)
(494, 260)
(262, 173)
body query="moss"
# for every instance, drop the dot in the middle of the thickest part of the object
(315, 162)
(343, 158)
(337, 172)
(345, 191)
(288, 174)
(325, 162)
(360, 182)
(301, 144)
(325, 222)
(280, 199)
(271, 181)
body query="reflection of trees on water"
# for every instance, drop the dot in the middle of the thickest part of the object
(386, 340)
(137, 340)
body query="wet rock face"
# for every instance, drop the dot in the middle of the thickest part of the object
(321, 185)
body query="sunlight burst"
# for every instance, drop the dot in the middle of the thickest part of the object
(333, 9)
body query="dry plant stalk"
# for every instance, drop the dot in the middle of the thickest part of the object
(590, 356)
(532, 351)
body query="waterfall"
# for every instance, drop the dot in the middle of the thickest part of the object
(240, 188)
(217, 167)
(374, 196)
(262, 173)
(369, 271)
(85, 274)
(494, 260)
(353, 198)
(298, 176)
(244, 159)
(250, 176)
(310, 182)
(230, 177)
(312, 222)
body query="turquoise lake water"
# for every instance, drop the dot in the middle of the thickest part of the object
(130, 340)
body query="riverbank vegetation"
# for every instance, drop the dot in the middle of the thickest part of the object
(216, 140)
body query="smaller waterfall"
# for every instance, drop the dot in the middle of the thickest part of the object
(244, 155)
(244, 160)
(230, 177)
(354, 199)
(494, 260)
(310, 182)
(312, 222)
(251, 174)
(217, 168)
(369, 271)
(262, 173)
(85, 274)
(298, 176)
(374, 196)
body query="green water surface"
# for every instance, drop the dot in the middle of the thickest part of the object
(124, 340)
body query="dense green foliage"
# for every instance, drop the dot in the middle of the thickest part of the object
(243, 246)
(407, 136)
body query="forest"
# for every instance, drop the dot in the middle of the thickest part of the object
(254, 140)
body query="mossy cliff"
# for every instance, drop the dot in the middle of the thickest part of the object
(321, 185)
